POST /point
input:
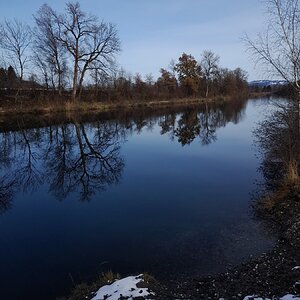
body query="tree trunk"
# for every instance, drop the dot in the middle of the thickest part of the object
(59, 82)
(299, 113)
(75, 78)
(206, 93)
(80, 85)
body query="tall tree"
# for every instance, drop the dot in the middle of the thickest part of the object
(49, 52)
(15, 40)
(87, 41)
(278, 50)
(188, 72)
(278, 47)
(209, 65)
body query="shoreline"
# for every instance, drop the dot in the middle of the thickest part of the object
(272, 275)
(11, 107)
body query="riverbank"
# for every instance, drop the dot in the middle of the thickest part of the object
(273, 274)
(17, 121)
(12, 107)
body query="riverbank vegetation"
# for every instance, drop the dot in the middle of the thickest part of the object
(277, 49)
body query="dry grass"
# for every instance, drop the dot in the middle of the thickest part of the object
(55, 106)
(270, 201)
(85, 290)
(284, 192)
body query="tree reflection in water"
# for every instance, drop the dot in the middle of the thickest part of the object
(85, 158)
(70, 158)
(201, 124)
(6, 195)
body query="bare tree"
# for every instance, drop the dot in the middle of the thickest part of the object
(209, 67)
(49, 52)
(278, 50)
(87, 41)
(278, 139)
(278, 47)
(172, 67)
(15, 40)
(43, 68)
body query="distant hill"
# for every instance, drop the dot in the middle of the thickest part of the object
(267, 83)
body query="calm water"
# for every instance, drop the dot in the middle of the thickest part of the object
(168, 193)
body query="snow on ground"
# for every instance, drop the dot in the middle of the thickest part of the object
(126, 287)
(286, 297)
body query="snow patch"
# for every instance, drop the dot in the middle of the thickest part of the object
(265, 83)
(126, 287)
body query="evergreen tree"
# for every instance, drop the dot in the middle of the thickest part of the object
(3, 78)
(11, 77)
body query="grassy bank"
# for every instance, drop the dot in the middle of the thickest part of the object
(56, 106)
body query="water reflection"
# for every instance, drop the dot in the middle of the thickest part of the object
(6, 194)
(80, 156)
(83, 159)
(69, 158)
(193, 124)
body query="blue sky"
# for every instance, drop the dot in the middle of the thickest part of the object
(156, 31)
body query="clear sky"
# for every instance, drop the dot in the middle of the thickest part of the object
(153, 32)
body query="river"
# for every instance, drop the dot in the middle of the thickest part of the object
(168, 192)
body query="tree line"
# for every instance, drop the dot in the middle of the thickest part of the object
(73, 54)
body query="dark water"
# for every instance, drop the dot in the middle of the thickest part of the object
(165, 192)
